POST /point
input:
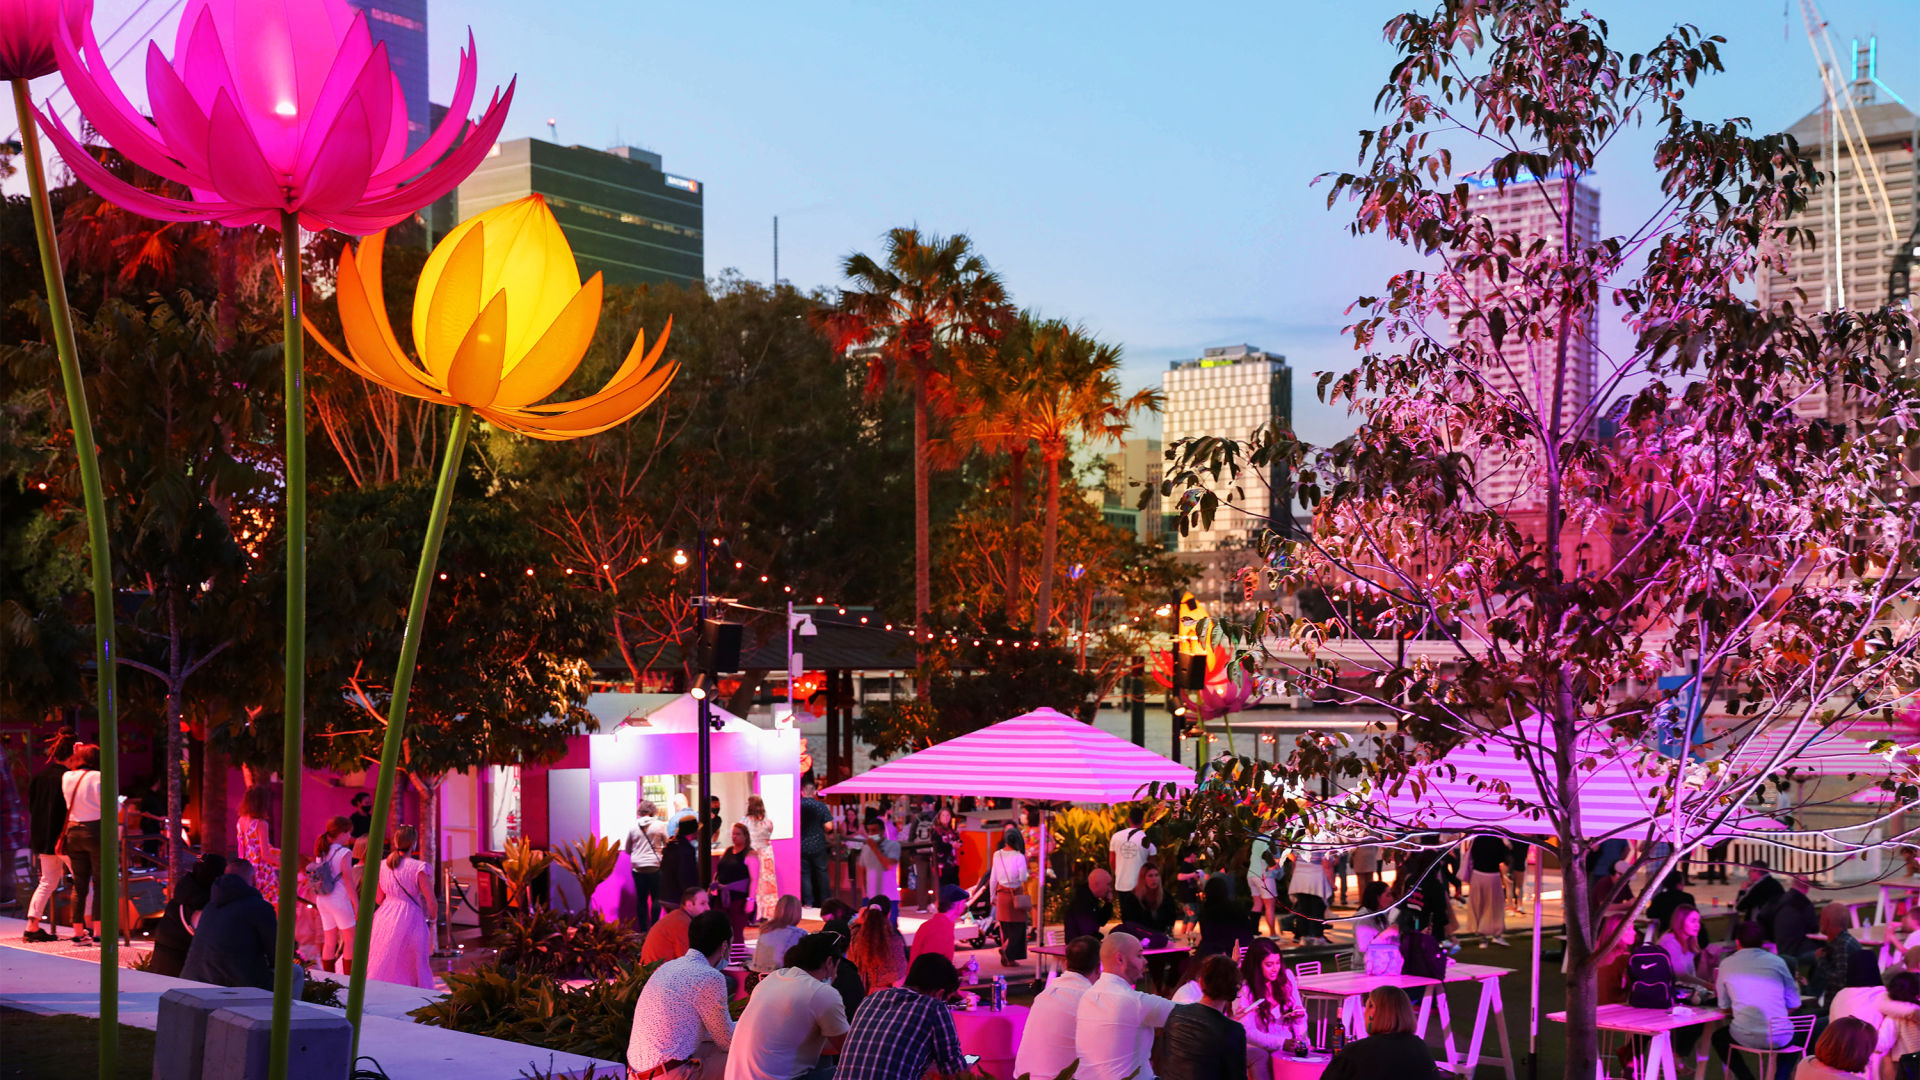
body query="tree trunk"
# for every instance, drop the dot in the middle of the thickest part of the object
(922, 547)
(1016, 517)
(1049, 541)
(1583, 983)
(171, 848)
(226, 319)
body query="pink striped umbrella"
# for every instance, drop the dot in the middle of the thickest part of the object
(1043, 755)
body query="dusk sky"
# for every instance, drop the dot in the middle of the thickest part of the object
(1137, 168)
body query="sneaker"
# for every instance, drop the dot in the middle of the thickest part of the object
(81, 939)
(39, 935)
(1498, 939)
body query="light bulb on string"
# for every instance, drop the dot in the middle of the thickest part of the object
(679, 558)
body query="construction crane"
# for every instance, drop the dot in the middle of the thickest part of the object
(1845, 134)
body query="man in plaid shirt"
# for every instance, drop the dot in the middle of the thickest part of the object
(899, 1032)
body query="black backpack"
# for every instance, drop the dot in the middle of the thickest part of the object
(1908, 1067)
(1649, 978)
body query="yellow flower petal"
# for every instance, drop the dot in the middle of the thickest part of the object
(528, 258)
(474, 376)
(607, 408)
(553, 358)
(361, 323)
(453, 300)
(370, 255)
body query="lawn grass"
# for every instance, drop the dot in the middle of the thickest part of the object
(34, 1046)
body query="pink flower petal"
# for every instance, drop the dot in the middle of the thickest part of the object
(118, 191)
(175, 113)
(458, 165)
(90, 81)
(338, 181)
(342, 79)
(443, 137)
(202, 60)
(397, 133)
(234, 161)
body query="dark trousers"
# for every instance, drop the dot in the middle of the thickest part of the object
(83, 852)
(646, 892)
(814, 887)
(1737, 1062)
(1309, 908)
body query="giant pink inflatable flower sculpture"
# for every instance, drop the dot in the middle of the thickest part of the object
(270, 106)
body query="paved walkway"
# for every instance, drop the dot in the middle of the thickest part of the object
(42, 982)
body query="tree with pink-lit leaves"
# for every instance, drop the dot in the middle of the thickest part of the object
(1510, 559)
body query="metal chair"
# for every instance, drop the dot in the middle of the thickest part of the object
(1770, 1058)
(1343, 961)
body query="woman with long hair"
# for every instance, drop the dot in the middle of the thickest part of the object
(1369, 920)
(766, 883)
(253, 836)
(946, 849)
(1269, 1005)
(331, 895)
(403, 924)
(877, 950)
(1223, 926)
(1012, 907)
(779, 933)
(733, 880)
(1149, 906)
(1681, 943)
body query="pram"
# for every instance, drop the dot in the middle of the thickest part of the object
(986, 929)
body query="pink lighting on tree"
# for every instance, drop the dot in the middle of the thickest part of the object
(270, 106)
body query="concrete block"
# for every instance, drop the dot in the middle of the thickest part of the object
(180, 1034)
(319, 1047)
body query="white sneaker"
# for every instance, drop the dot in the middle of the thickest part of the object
(1497, 939)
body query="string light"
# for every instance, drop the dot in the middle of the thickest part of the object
(529, 571)
(443, 575)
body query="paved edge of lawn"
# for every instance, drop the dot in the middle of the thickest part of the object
(35, 982)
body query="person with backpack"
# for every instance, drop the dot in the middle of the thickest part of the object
(1685, 955)
(327, 889)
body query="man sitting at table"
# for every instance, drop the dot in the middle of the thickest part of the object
(1047, 1047)
(902, 1031)
(681, 1022)
(667, 938)
(794, 1017)
(1390, 1048)
(1204, 1041)
(1794, 917)
(1759, 989)
(936, 934)
(1114, 1025)
(1089, 906)
(1759, 895)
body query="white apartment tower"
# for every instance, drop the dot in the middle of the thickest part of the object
(1862, 216)
(1228, 393)
(1527, 368)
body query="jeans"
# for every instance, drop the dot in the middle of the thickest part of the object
(814, 887)
(646, 892)
(52, 869)
(83, 852)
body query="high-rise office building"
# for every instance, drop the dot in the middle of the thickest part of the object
(625, 217)
(401, 25)
(1229, 392)
(1862, 216)
(1131, 470)
(1527, 368)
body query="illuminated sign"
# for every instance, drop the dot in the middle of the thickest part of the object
(683, 183)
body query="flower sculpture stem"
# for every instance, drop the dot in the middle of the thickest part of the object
(106, 680)
(292, 737)
(397, 714)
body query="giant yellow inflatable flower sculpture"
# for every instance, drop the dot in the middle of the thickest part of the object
(500, 321)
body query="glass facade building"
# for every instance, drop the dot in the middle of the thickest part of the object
(625, 216)
(401, 25)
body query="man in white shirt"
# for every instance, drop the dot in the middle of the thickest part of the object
(1761, 992)
(880, 863)
(1047, 1047)
(681, 1020)
(795, 1016)
(1114, 1024)
(1129, 851)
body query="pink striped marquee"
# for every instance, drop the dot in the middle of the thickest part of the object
(1042, 755)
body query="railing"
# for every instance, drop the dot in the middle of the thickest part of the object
(1813, 856)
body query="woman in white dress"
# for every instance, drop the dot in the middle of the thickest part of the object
(402, 942)
(766, 881)
(1009, 881)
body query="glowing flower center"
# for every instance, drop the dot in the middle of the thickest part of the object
(286, 108)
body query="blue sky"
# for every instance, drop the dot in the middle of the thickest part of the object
(1141, 168)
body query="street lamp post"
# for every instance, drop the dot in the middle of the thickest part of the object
(706, 682)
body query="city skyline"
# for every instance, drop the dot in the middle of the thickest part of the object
(1168, 213)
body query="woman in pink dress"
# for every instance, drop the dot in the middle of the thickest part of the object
(255, 841)
(403, 923)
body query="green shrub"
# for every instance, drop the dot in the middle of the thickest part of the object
(541, 941)
(322, 991)
(595, 1020)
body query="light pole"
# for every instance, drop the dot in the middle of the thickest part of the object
(801, 624)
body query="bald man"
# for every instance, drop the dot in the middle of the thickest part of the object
(1114, 1024)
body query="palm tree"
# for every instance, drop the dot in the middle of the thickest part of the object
(1073, 392)
(990, 383)
(926, 302)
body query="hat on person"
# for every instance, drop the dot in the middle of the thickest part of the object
(951, 895)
